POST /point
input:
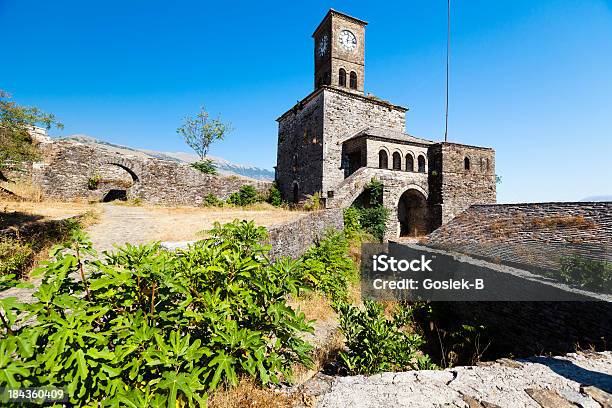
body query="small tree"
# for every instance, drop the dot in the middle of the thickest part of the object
(199, 132)
(16, 122)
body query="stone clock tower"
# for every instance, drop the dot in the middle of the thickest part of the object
(339, 45)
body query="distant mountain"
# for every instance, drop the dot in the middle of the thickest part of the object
(223, 166)
(598, 198)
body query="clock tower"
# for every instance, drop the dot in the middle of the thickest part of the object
(339, 45)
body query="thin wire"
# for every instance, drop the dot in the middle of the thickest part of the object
(447, 69)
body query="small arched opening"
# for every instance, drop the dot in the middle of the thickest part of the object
(397, 161)
(353, 80)
(466, 163)
(383, 160)
(413, 214)
(342, 77)
(421, 163)
(409, 162)
(112, 181)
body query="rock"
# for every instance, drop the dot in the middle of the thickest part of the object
(604, 398)
(548, 398)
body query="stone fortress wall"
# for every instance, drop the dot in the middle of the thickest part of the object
(69, 168)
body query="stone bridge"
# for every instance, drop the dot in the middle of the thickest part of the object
(73, 170)
(404, 194)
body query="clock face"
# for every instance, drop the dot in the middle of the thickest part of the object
(347, 40)
(322, 48)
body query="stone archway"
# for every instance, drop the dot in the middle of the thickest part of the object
(413, 213)
(115, 180)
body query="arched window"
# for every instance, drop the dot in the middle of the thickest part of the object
(342, 77)
(409, 163)
(383, 160)
(466, 163)
(421, 162)
(353, 83)
(397, 161)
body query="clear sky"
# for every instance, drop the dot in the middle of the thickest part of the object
(532, 79)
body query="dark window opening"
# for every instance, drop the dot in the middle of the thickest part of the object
(397, 161)
(296, 194)
(354, 162)
(466, 163)
(421, 163)
(383, 160)
(342, 77)
(409, 163)
(353, 80)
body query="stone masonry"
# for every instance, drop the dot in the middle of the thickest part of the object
(69, 166)
(336, 140)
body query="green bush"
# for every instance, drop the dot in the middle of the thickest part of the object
(274, 196)
(205, 166)
(15, 257)
(154, 328)
(245, 196)
(313, 202)
(588, 273)
(328, 268)
(212, 200)
(94, 181)
(374, 220)
(376, 344)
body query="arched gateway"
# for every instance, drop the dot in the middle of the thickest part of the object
(413, 214)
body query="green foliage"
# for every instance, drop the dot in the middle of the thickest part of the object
(212, 200)
(206, 166)
(148, 327)
(327, 267)
(274, 196)
(352, 226)
(15, 123)
(15, 257)
(371, 215)
(588, 273)
(245, 196)
(313, 202)
(374, 220)
(94, 181)
(376, 344)
(200, 131)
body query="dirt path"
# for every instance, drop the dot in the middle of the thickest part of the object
(119, 224)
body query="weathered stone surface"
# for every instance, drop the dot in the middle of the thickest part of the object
(548, 398)
(537, 234)
(602, 397)
(68, 167)
(493, 385)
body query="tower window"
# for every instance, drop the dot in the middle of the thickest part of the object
(353, 79)
(383, 160)
(409, 163)
(342, 77)
(466, 163)
(397, 161)
(421, 163)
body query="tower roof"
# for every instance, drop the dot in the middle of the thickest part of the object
(338, 13)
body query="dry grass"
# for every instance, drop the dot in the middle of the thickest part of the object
(314, 306)
(24, 190)
(47, 210)
(563, 221)
(249, 394)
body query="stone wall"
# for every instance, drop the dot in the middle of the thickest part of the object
(300, 149)
(453, 187)
(537, 235)
(68, 167)
(294, 238)
(345, 115)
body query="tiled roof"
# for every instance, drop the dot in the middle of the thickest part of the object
(389, 134)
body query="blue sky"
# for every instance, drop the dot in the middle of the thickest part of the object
(532, 79)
